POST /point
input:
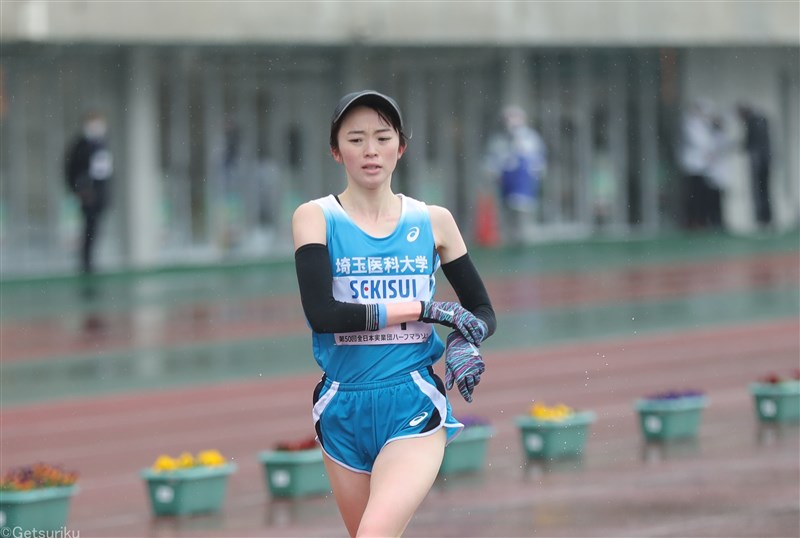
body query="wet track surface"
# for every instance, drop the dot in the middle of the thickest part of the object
(104, 378)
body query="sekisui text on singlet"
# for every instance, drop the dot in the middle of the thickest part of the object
(392, 269)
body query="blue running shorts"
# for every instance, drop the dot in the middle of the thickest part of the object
(354, 421)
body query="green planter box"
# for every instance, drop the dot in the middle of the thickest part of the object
(554, 439)
(43, 509)
(467, 452)
(187, 491)
(295, 473)
(668, 419)
(777, 402)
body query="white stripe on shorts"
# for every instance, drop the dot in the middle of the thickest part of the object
(323, 402)
(438, 399)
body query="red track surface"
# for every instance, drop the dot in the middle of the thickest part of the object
(281, 316)
(731, 483)
(736, 480)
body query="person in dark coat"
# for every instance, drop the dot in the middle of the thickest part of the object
(88, 168)
(696, 153)
(757, 146)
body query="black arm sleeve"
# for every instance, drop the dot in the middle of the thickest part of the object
(324, 313)
(472, 295)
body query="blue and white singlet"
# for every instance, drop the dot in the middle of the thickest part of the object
(397, 268)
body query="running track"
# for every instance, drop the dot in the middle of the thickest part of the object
(737, 480)
(281, 315)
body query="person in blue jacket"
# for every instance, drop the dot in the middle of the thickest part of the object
(517, 160)
(366, 261)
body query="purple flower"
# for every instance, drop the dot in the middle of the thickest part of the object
(473, 420)
(675, 394)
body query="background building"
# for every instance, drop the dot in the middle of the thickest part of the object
(218, 112)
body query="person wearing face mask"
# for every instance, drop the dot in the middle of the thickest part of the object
(88, 168)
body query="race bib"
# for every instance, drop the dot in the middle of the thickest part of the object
(384, 289)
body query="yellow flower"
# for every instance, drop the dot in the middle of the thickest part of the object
(210, 458)
(185, 460)
(558, 412)
(562, 410)
(165, 463)
(206, 458)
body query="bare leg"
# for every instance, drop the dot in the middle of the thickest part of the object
(401, 478)
(351, 491)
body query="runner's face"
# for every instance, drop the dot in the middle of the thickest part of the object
(368, 147)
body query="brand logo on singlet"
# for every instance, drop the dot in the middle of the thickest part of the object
(413, 234)
(417, 419)
(384, 288)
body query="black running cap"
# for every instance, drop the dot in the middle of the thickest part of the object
(346, 101)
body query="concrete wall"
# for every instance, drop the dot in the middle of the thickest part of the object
(592, 23)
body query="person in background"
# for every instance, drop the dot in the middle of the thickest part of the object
(516, 161)
(719, 172)
(696, 152)
(365, 262)
(88, 168)
(757, 146)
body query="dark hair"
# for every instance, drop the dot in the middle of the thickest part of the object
(379, 104)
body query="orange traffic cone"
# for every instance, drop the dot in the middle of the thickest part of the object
(486, 230)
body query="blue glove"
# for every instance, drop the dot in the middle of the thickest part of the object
(463, 365)
(455, 316)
